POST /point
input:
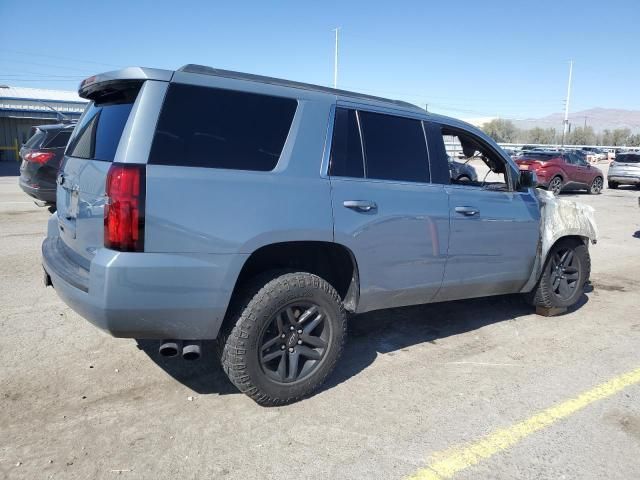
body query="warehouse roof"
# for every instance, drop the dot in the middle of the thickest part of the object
(24, 93)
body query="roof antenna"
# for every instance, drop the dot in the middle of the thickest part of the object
(61, 116)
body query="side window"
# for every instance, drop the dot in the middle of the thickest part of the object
(395, 148)
(346, 148)
(471, 161)
(215, 128)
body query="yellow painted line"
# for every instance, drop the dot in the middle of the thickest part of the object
(449, 462)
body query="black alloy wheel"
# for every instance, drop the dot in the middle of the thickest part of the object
(565, 273)
(294, 342)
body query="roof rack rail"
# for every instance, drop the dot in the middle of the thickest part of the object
(204, 70)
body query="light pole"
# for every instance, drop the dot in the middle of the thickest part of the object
(335, 61)
(566, 104)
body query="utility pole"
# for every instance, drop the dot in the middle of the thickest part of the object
(426, 107)
(335, 61)
(566, 104)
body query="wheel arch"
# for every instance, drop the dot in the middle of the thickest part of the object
(330, 260)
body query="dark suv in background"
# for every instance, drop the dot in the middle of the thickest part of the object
(41, 157)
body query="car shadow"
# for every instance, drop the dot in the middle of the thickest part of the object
(636, 234)
(371, 334)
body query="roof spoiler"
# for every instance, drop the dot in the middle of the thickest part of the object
(91, 85)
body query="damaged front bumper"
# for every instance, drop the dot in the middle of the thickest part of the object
(560, 218)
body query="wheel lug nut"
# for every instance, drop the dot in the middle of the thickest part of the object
(291, 350)
(299, 331)
(299, 342)
(282, 347)
(282, 336)
(291, 327)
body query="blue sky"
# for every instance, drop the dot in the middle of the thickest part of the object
(466, 58)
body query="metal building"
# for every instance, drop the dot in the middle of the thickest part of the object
(22, 108)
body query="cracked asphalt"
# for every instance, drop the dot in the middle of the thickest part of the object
(77, 404)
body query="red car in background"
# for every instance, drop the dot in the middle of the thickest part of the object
(559, 171)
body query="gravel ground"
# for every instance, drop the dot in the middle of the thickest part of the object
(77, 404)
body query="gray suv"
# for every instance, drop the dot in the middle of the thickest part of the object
(207, 204)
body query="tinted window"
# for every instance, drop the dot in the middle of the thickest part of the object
(207, 127)
(35, 139)
(542, 157)
(394, 147)
(346, 149)
(628, 158)
(59, 140)
(97, 135)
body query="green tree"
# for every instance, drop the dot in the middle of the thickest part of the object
(540, 135)
(634, 140)
(581, 136)
(620, 136)
(501, 130)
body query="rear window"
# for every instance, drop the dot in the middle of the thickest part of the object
(541, 157)
(36, 139)
(97, 135)
(215, 128)
(628, 158)
(59, 140)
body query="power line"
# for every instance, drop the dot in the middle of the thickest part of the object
(58, 57)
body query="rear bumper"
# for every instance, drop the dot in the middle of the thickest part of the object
(146, 295)
(47, 195)
(624, 179)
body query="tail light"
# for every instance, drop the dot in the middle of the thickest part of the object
(39, 157)
(124, 210)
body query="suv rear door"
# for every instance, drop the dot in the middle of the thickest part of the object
(386, 210)
(124, 109)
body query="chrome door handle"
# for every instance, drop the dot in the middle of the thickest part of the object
(360, 205)
(467, 211)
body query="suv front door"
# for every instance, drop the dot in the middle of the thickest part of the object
(386, 210)
(494, 230)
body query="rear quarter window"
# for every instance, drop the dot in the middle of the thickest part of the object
(98, 134)
(216, 128)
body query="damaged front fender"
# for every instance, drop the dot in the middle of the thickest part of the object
(560, 218)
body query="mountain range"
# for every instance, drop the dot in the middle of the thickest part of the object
(597, 118)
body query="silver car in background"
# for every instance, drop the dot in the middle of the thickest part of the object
(462, 172)
(624, 170)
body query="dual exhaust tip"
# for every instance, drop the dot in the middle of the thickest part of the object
(191, 350)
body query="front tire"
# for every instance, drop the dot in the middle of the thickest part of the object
(286, 337)
(566, 270)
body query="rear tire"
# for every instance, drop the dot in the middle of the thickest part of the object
(566, 270)
(555, 185)
(285, 338)
(612, 185)
(596, 186)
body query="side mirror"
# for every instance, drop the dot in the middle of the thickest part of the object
(528, 179)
